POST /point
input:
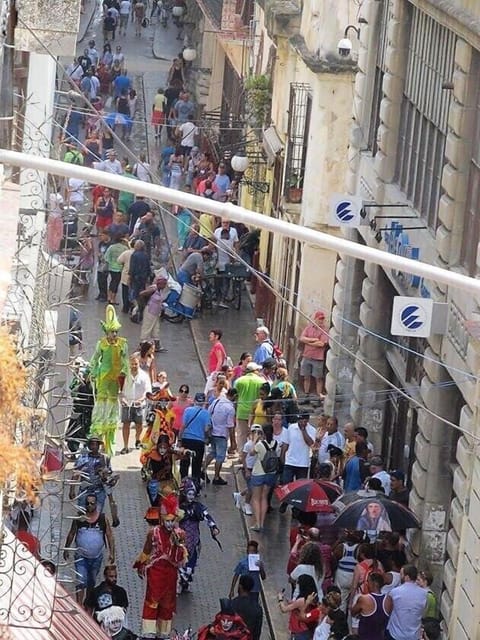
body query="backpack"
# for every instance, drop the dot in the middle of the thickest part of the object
(277, 352)
(270, 461)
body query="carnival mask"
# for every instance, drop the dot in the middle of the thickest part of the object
(190, 495)
(169, 525)
(163, 450)
(227, 623)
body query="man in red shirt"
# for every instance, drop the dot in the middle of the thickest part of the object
(315, 340)
(217, 355)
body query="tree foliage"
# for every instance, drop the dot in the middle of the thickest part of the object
(18, 462)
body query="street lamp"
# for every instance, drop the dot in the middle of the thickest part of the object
(240, 164)
(189, 54)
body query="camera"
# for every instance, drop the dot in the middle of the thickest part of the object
(344, 47)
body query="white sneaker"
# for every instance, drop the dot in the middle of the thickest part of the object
(237, 498)
(247, 509)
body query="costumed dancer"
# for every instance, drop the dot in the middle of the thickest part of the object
(112, 620)
(109, 366)
(163, 554)
(159, 420)
(161, 469)
(227, 625)
(194, 513)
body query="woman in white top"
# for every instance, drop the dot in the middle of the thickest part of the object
(119, 57)
(261, 481)
(309, 563)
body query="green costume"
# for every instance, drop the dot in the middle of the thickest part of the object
(109, 366)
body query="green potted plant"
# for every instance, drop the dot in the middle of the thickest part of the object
(295, 187)
(258, 98)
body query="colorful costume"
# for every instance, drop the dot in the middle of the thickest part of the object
(109, 366)
(227, 625)
(194, 513)
(160, 420)
(160, 469)
(163, 554)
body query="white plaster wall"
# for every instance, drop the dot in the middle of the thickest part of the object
(327, 155)
(324, 22)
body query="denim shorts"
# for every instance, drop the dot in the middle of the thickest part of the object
(218, 448)
(87, 570)
(268, 479)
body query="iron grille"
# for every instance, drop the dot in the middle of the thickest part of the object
(299, 112)
(232, 105)
(423, 126)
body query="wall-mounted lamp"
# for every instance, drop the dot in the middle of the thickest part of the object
(240, 164)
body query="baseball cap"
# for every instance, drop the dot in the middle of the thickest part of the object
(252, 366)
(256, 427)
(398, 475)
(200, 397)
(320, 315)
(269, 363)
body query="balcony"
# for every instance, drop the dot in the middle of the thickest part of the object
(231, 18)
(282, 18)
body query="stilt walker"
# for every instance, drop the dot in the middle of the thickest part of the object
(109, 366)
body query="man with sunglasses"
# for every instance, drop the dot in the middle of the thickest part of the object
(91, 533)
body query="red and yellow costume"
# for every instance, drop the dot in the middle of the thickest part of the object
(162, 424)
(163, 554)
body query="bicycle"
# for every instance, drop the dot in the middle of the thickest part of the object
(236, 272)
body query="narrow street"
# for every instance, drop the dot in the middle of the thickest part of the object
(185, 343)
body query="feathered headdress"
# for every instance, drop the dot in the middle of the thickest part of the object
(169, 507)
(111, 321)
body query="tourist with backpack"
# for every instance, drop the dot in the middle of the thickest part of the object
(264, 473)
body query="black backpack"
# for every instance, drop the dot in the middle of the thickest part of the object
(270, 461)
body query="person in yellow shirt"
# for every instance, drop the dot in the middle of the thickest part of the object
(259, 413)
(207, 225)
(350, 442)
(158, 112)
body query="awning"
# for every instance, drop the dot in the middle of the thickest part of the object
(33, 605)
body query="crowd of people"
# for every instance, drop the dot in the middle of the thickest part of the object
(345, 583)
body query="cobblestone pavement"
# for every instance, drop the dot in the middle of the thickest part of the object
(214, 571)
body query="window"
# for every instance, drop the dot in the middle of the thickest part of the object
(382, 23)
(299, 112)
(471, 226)
(423, 125)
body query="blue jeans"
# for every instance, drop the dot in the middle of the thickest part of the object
(183, 277)
(87, 571)
(293, 473)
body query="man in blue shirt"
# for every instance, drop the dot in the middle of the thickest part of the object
(242, 569)
(192, 435)
(356, 469)
(222, 181)
(121, 84)
(264, 348)
(183, 108)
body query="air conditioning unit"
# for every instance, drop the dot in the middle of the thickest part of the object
(272, 144)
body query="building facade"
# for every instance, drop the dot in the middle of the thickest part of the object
(414, 144)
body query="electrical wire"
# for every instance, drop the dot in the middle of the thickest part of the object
(276, 294)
